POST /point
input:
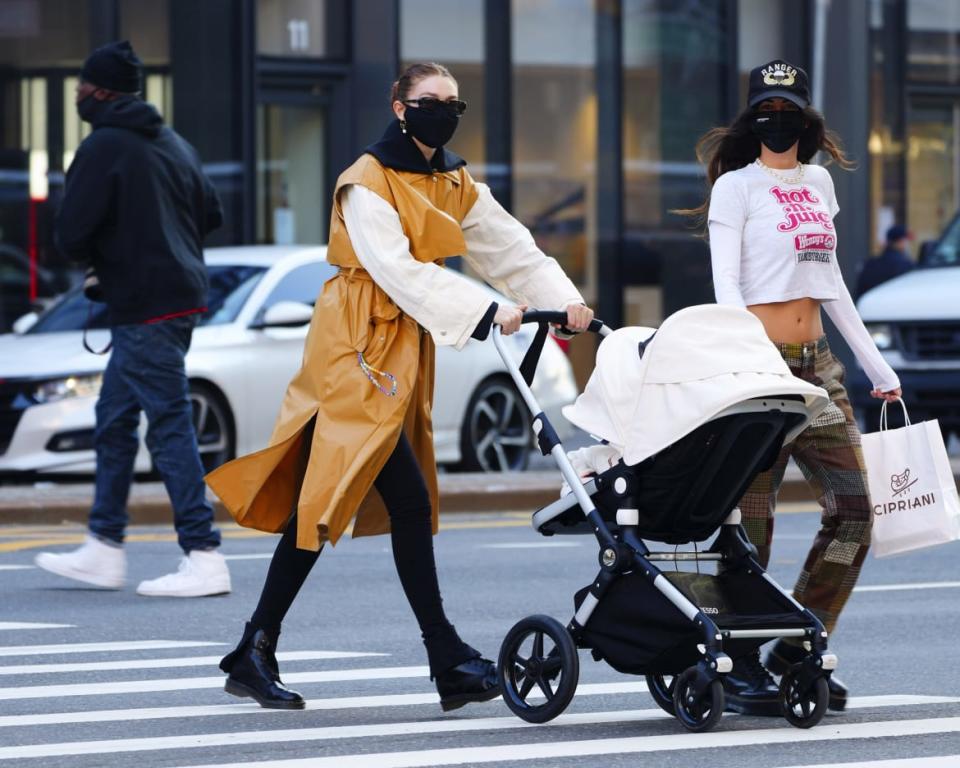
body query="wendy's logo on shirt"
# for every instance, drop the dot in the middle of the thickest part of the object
(817, 247)
(798, 209)
(819, 241)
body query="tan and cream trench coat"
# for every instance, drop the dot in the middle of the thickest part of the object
(356, 424)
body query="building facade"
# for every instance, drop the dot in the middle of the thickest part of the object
(583, 115)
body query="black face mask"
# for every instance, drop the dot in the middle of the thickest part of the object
(88, 108)
(778, 131)
(433, 127)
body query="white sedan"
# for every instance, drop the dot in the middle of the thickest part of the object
(244, 352)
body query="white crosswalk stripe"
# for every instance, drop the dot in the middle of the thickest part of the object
(363, 731)
(193, 683)
(513, 753)
(86, 734)
(193, 661)
(946, 761)
(373, 702)
(12, 625)
(135, 645)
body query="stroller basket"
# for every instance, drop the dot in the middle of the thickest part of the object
(636, 629)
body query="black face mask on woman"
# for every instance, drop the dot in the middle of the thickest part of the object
(778, 131)
(433, 127)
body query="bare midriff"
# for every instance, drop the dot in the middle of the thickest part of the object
(790, 322)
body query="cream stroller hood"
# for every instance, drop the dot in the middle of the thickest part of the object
(702, 360)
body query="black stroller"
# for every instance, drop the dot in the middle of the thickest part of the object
(681, 629)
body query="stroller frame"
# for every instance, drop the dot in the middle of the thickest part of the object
(695, 695)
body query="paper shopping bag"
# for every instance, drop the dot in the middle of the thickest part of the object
(914, 496)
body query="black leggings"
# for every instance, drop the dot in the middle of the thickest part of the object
(401, 485)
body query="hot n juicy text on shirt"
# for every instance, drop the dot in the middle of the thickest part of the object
(798, 209)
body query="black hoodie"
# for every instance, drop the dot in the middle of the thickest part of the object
(136, 207)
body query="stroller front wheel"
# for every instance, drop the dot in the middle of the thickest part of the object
(697, 707)
(803, 704)
(538, 658)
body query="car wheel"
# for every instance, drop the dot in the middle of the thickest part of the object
(495, 436)
(213, 424)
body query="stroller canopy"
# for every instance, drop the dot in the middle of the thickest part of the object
(701, 361)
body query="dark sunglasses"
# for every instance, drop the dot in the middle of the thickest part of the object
(432, 104)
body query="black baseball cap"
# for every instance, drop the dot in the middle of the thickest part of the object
(779, 80)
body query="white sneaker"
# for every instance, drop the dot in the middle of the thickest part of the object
(201, 573)
(94, 563)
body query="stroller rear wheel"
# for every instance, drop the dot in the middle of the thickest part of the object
(538, 657)
(697, 711)
(661, 689)
(803, 703)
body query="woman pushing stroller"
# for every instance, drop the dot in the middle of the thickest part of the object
(354, 434)
(773, 247)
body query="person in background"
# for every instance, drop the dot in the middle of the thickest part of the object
(136, 208)
(892, 262)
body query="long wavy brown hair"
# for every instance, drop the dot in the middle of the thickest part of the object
(736, 146)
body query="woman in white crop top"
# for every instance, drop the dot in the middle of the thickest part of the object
(773, 247)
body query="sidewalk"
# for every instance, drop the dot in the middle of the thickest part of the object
(51, 504)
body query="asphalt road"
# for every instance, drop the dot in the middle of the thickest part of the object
(63, 703)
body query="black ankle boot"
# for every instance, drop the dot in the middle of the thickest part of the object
(749, 688)
(254, 673)
(784, 655)
(471, 680)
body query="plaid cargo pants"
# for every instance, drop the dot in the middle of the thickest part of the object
(829, 455)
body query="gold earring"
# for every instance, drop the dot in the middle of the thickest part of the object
(403, 126)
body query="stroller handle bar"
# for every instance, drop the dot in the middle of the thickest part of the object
(560, 318)
(522, 375)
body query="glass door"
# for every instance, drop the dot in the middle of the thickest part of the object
(933, 166)
(291, 174)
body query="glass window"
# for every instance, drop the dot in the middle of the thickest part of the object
(147, 27)
(555, 128)
(44, 33)
(290, 175)
(675, 76)
(452, 34)
(229, 288)
(302, 28)
(932, 167)
(947, 252)
(886, 144)
(934, 40)
(759, 38)
(72, 313)
(302, 284)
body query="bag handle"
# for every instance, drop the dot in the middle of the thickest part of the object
(883, 414)
(86, 327)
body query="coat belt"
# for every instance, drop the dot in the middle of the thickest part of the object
(355, 273)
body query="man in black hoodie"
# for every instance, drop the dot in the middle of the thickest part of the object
(136, 208)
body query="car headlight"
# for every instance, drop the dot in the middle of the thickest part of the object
(71, 386)
(882, 335)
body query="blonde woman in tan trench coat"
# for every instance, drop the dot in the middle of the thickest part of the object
(354, 434)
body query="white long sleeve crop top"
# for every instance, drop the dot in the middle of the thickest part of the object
(773, 240)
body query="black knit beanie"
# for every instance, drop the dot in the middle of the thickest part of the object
(113, 66)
